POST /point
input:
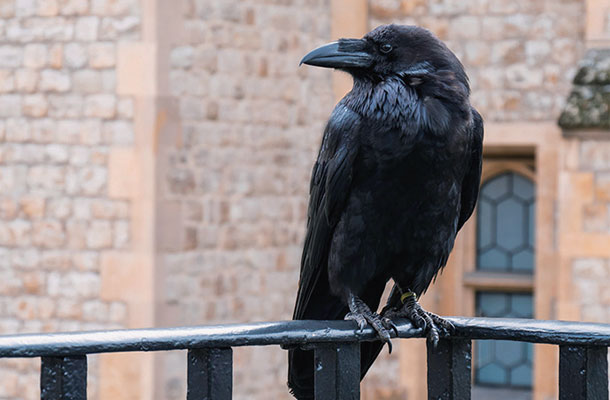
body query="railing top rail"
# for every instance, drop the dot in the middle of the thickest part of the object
(289, 333)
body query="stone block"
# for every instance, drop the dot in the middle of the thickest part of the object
(124, 28)
(76, 234)
(86, 28)
(58, 208)
(32, 207)
(75, 55)
(35, 105)
(47, 8)
(602, 186)
(118, 133)
(100, 106)
(7, 81)
(73, 7)
(134, 76)
(26, 80)
(48, 234)
(35, 55)
(125, 108)
(7, 8)
(122, 234)
(8, 206)
(182, 57)
(10, 105)
(87, 81)
(465, 27)
(56, 52)
(54, 81)
(99, 235)
(595, 217)
(120, 184)
(102, 55)
(595, 155)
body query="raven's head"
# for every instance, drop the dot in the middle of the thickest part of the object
(409, 52)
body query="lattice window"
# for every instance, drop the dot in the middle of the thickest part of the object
(505, 247)
(505, 224)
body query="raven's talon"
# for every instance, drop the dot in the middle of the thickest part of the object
(431, 324)
(358, 318)
(362, 314)
(389, 324)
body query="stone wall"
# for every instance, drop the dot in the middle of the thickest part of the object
(585, 182)
(234, 185)
(585, 228)
(60, 118)
(520, 55)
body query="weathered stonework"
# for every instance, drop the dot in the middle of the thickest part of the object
(589, 102)
(234, 185)
(60, 121)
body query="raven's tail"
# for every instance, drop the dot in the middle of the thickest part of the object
(324, 306)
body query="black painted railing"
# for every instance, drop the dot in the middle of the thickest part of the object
(583, 364)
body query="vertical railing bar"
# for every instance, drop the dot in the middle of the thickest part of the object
(449, 370)
(210, 374)
(325, 373)
(583, 373)
(51, 371)
(337, 371)
(63, 378)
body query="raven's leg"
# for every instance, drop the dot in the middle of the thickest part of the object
(362, 314)
(431, 323)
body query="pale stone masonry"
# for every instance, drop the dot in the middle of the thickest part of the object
(586, 121)
(60, 118)
(250, 122)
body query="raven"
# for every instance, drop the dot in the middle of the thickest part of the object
(397, 175)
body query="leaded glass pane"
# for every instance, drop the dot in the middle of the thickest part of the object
(501, 362)
(505, 224)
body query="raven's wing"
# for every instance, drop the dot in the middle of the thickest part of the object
(472, 179)
(329, 188)
(470, 193)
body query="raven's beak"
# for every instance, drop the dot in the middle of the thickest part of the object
(345, 53)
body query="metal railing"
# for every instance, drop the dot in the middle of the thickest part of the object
(583, 364)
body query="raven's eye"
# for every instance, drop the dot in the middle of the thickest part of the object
(386, 48)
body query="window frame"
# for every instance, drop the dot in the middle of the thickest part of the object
(474, 280)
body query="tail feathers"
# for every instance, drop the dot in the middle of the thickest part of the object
(329, 307)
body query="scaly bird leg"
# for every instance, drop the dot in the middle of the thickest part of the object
(433, 325)
(362, 314)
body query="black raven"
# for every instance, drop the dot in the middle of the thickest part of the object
(397, 175)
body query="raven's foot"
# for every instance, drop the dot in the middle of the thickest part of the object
(362, 314)
(433, 325)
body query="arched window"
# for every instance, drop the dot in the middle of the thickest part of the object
(504, 247)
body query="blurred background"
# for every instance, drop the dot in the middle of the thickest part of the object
(155, 159)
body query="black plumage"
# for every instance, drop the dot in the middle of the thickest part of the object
(396, 177)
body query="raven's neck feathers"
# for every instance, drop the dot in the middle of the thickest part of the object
(427, 102)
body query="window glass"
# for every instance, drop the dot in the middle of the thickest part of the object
(505, 224)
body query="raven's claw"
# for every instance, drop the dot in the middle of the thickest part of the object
(362, 314)
(433, 325)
